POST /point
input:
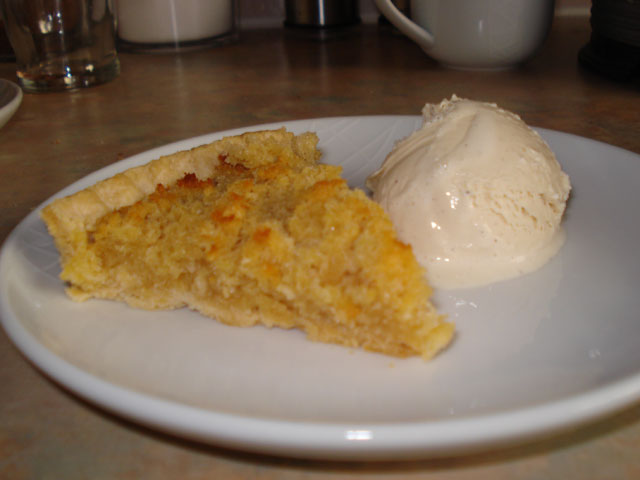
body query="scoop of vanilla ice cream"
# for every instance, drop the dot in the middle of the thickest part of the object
(477, 194)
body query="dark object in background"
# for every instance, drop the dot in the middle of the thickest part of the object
(321, 13)
(404, 6)
(614, 47)
(6, 52)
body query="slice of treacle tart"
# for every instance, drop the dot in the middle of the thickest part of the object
(250, 230)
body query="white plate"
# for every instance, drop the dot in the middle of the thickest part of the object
(10, 98)
(533, 356)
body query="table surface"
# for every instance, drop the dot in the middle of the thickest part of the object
(273, 76)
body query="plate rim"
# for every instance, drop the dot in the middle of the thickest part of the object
(9, 109)
(327, 440)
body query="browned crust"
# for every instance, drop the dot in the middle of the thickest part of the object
(68, 216)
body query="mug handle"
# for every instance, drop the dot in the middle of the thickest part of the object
(406, 26)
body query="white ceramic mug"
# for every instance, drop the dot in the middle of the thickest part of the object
(475, 34)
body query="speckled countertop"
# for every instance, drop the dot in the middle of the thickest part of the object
(271, 76)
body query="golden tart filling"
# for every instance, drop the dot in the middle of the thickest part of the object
(250, 230)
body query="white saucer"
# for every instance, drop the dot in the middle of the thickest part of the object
(532, 357)
(10, 98)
